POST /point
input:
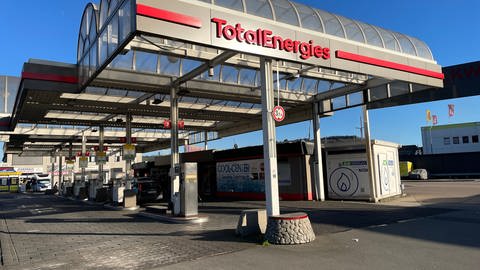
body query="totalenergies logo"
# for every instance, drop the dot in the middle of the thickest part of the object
(266, 38)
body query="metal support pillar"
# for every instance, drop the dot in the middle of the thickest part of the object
(317, 156)
(128, 162)
(71, 157)
(84, 151)
(175, 157)
(70, 151)
(269, 138)
(368, 146)
(52, 178)
(60, 170)
(186, 144)
(206, 140)
(101, 177)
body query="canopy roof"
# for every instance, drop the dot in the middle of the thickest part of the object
(131, 54)
(295, 14)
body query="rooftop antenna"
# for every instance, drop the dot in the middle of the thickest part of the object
(360, 128)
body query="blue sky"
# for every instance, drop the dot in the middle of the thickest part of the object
(48, 30)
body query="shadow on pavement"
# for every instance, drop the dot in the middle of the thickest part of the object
(329, 217)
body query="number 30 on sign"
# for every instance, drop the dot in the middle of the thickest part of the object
(278, 113)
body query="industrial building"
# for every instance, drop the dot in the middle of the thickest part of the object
(454, 138)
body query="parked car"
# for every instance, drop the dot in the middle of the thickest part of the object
(148, 189)
(41, 182)
(418, 174)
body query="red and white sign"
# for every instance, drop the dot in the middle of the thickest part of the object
(451, 110)
(266, 38)
(434, 119)
(87, 154)
(278, 113)
(97, 148)
(124, 140)
(167, 124)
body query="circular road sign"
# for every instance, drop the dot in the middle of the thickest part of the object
(278, 113)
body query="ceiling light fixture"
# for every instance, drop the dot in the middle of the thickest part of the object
(157, 101)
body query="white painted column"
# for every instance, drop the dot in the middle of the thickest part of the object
(84, 151)
(269, 138)
(317, 156)
(128, 162)
(60, 170)
(206, 141)
(368, 146)
(52, 176)
(100, 145)
(175, 157)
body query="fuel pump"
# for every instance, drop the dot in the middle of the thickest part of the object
(188, 190)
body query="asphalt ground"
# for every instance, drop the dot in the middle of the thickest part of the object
(434, 227)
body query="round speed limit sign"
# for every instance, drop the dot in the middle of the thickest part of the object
(278, 113)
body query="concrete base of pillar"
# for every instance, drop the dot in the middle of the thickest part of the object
(174, 219)
(289, 229)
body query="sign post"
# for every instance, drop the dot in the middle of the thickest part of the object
(269, 137)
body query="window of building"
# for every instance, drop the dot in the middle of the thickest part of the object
(465, 139)
(446, 140)
(456, 140)
(475, 139)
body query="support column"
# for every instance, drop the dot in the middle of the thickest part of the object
(53, 169)
(60, 170)
(368, 146)
(186, 144)
(101, 177)
(175, 157)
(269, 138)
(84, 151)
(206, 140)
(128, 162)
(317, 156)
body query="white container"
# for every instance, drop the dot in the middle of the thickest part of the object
(347, 170)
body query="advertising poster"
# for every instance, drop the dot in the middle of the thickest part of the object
(248, 176)
(348, 176)
(241, 176)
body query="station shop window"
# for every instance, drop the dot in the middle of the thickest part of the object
(465, 139)
(446, 140)
(475, 139)
(456, 140)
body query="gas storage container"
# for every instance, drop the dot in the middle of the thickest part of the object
(347, 174)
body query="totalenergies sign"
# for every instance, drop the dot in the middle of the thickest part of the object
(266, 38)
(208, 25)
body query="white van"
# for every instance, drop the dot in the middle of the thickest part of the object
(42, 182)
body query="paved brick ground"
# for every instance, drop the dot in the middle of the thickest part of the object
(46, 232)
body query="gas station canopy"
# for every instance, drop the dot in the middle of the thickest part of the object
(134, 55)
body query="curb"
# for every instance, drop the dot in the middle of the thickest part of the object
(121, 208)
(177, 220)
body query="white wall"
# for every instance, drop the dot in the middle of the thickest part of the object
(439, 142)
